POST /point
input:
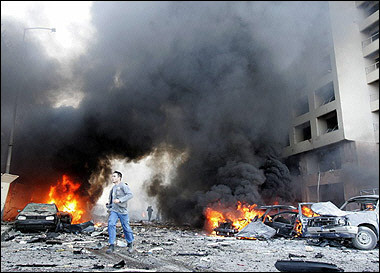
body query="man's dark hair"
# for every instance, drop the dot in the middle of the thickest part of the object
(119, 174)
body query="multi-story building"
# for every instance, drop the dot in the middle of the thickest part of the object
(334, 136)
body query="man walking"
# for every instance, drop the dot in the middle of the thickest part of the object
(118, 199)
(149, 210)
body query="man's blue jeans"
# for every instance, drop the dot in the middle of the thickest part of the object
(124, 220)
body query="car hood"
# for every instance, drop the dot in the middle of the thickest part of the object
(328, 208)
(42, 213)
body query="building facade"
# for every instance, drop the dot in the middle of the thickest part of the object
(333, 146)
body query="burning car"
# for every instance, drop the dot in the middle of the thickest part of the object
(38, 216)
(282, 218)
(269, 221)
(357, 221)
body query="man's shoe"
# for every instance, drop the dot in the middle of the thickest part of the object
(110, 249)
(130, 247)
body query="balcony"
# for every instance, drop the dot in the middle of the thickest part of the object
(359, 3)
(371, 45)
(372, 72)
(374, 101)
(369, 21)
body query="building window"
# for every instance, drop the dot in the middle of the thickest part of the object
(301, 107)
(324, 95)
(302, 132)
(372, 9)
(326, 65)
(287, 140)
(327, 123)
(328, 192)
(293, 165)
(329, 159)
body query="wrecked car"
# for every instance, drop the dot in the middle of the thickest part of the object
(276, 221)
(39, 216)
(356, 221)
(282, 218)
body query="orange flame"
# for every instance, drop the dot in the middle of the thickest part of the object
(240, 217)
(308, 212)
(298, 228)
(64, 195)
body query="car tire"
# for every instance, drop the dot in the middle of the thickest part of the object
(366, 239)
(59, 226)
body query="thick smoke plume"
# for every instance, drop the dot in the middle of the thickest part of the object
(214, 79)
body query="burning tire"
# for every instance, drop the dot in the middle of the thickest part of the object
(366, 239)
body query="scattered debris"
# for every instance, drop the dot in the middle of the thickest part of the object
(305, 266)
(291, 255)
(119, 264)
(86, 227)
(256, 230)
(155, 249)
(78, 251)
(36, 265)
(318, 255)
(192, 254)
(309, 249)
(54, 242)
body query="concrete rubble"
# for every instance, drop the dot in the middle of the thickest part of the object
(163, 247)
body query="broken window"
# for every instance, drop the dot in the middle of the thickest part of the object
(301, 107)
(327, 123)
(324, 95)
(302, 132)
(328, 192)
(292, 163)
(329, 159)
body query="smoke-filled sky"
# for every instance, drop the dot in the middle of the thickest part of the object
(212, 79)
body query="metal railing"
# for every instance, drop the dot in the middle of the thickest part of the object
(330, 99)
(369, 191)
(331, 129)
(372, 67)
(369, 40)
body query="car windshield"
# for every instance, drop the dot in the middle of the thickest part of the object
(34, 207)
(360, 205)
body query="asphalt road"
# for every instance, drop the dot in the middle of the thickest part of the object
(168, 248)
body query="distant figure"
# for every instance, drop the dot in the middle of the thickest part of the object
(158, 218)
(149, 210)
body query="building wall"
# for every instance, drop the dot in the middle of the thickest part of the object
(341, 170)
(336, 163)
(350, 72)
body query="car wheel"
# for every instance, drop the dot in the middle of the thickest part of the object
(365, 239)
(59, 226)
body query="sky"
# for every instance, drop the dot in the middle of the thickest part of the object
(74, 31)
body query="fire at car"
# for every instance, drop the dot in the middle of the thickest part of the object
(36, 216)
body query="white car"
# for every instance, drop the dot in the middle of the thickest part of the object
(357, 220)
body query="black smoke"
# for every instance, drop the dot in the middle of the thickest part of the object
(213, 78)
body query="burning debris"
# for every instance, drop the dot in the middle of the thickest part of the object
(219, 217)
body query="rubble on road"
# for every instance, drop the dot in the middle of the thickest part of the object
(165, 247)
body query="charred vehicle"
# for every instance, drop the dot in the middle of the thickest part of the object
(275, 221)
(37, 216)
(282, 218)
(357, 221)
